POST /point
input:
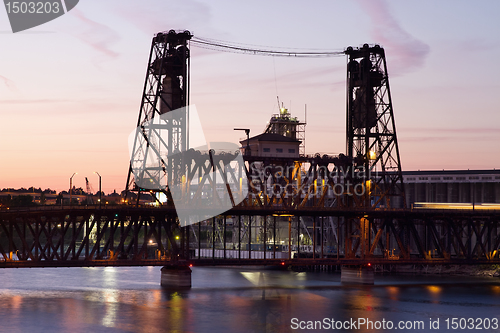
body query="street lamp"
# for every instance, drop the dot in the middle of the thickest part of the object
(100, 191)
(71, 187)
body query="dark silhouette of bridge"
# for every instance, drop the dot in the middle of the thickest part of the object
(303, 210)
(140, 236)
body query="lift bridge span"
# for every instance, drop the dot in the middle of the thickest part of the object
(307, 236)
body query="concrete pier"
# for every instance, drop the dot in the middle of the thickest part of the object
(176, 277)
(357, 275)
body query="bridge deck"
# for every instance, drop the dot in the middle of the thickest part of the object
(139, 236)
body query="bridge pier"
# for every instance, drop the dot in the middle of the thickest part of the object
(176, 276)
(357, 275)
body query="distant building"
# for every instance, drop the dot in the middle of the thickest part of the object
(284, 137)
(452, 186)
(271, 145)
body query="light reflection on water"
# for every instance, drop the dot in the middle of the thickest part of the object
(226, 300)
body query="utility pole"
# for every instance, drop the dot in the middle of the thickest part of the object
(247, 132)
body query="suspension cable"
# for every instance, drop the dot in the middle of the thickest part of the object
(227, 47)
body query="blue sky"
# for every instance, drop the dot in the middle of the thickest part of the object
(70, 89)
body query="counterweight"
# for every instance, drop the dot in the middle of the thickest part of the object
(370, 127)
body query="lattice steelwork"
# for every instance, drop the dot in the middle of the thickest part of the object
(130, 236)
(165, 89)
(370, 128)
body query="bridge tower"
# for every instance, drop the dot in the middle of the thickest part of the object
(166, 89)
(372, 146)
(370, 128)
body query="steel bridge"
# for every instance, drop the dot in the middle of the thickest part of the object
(298, 211)
(307, 236)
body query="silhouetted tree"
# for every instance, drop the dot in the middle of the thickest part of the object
(59, 198)
(22, 201)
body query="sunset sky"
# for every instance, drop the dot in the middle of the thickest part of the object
(70, 89)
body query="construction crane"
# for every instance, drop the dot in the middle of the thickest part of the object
(90, 191)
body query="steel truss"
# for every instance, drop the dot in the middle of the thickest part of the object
(166, 88)
(248, 236)
(390, 237)
(370, 127)
(90, 238)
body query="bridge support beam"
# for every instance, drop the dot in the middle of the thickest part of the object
(357, 275)
(176, 276)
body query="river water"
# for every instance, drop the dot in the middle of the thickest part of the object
(240, 300)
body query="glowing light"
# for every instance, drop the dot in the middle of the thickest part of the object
(372, 155)
(393, 290)
(434, 289)
(446, 205)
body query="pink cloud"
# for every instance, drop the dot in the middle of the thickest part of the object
(407, 53)
(468, 134)
(8, 83)
(461, 131)
(32, 101)
(166, 15)
(98, 36)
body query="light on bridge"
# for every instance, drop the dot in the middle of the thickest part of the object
(372, 155)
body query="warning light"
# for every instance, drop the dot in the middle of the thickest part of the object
(369, 264)
(282, 263)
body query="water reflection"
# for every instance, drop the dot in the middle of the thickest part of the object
(224, 300)
(434, 290)
(495, 289)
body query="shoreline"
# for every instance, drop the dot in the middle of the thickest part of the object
(464, 270)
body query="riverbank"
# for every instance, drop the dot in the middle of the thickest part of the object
(466, 270)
